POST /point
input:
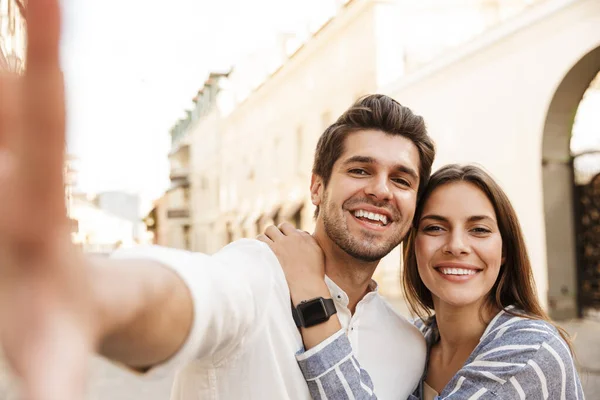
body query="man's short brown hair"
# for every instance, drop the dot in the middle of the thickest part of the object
(376, 112)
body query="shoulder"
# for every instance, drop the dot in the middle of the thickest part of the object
(518, 341)
(515, 327)
(524, 355)
(247, 247)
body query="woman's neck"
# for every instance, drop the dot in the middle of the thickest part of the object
(460, 329)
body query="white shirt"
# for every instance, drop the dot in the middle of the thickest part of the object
(243, 342)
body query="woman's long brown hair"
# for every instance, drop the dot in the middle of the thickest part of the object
(515, 284)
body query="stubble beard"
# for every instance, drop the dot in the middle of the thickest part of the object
(361, 248)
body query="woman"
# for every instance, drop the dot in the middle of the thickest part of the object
(469, 279)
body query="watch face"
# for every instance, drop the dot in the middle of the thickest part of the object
(313, 312)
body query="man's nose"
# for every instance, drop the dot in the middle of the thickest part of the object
(379, 188)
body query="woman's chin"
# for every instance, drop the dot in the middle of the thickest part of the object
(457, 300)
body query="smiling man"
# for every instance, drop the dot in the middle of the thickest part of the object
(224, 322)
(369, 168)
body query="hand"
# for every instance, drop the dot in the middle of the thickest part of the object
(46, 312)
(303, 263)
(301, 258)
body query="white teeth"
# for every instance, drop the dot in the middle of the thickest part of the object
(457, 271)
(371, 216)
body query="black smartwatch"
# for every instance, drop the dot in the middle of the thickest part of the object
(313, 312)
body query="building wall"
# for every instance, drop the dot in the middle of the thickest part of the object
(204, 182)
(505, 82)
(13, 36)
(270, 137)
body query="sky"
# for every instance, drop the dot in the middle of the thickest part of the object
(132, 68)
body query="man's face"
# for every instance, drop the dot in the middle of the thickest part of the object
(369, 203)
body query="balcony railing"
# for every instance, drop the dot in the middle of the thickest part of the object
(180, 176)
(178, 213)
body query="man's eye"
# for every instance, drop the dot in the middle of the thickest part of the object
(401, 181)
(358, 171)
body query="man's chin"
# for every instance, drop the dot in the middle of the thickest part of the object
(367, 254)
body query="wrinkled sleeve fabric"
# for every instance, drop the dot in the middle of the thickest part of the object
(230, 292)
(332, 372)
(520, 359)
(525, 360)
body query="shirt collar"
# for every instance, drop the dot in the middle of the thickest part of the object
(339, 296)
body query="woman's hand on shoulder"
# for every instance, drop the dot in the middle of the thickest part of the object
(301, 258)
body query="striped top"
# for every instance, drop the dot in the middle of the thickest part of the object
(516, 358)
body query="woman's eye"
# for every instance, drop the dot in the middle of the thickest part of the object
(481, 230)
(433, 228)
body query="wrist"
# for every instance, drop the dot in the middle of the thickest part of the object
(309, 292)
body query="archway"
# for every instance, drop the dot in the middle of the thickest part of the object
(558, 188)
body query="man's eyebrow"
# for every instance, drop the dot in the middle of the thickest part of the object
(360, 159)
(370, 160)
(407, 170)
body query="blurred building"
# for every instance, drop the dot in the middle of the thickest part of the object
(241, 158)
(157, 223)
(499, 83)
(13, 36)
(125, 206)
(99, 231)
(70, 181)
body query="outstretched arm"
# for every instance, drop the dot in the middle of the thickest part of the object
(57, 306)
(144, 309)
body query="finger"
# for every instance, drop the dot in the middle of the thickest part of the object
(287, 228)
(263, 238)
(42, 143)
(273, 233)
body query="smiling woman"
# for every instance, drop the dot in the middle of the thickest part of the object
(469, 278)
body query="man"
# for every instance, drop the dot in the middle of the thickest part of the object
(224, 321)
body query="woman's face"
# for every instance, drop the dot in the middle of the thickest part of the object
(458, 245)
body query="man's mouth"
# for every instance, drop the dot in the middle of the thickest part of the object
(371, 217)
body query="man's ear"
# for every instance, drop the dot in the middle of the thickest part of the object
(316, 189)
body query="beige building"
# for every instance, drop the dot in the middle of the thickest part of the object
(247, 146)
(497, 81)
(519, 88)
(13, 35)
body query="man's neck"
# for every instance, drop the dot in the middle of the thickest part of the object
(351, 275)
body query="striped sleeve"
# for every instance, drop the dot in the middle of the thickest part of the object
(333, 373)
(525, 359)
